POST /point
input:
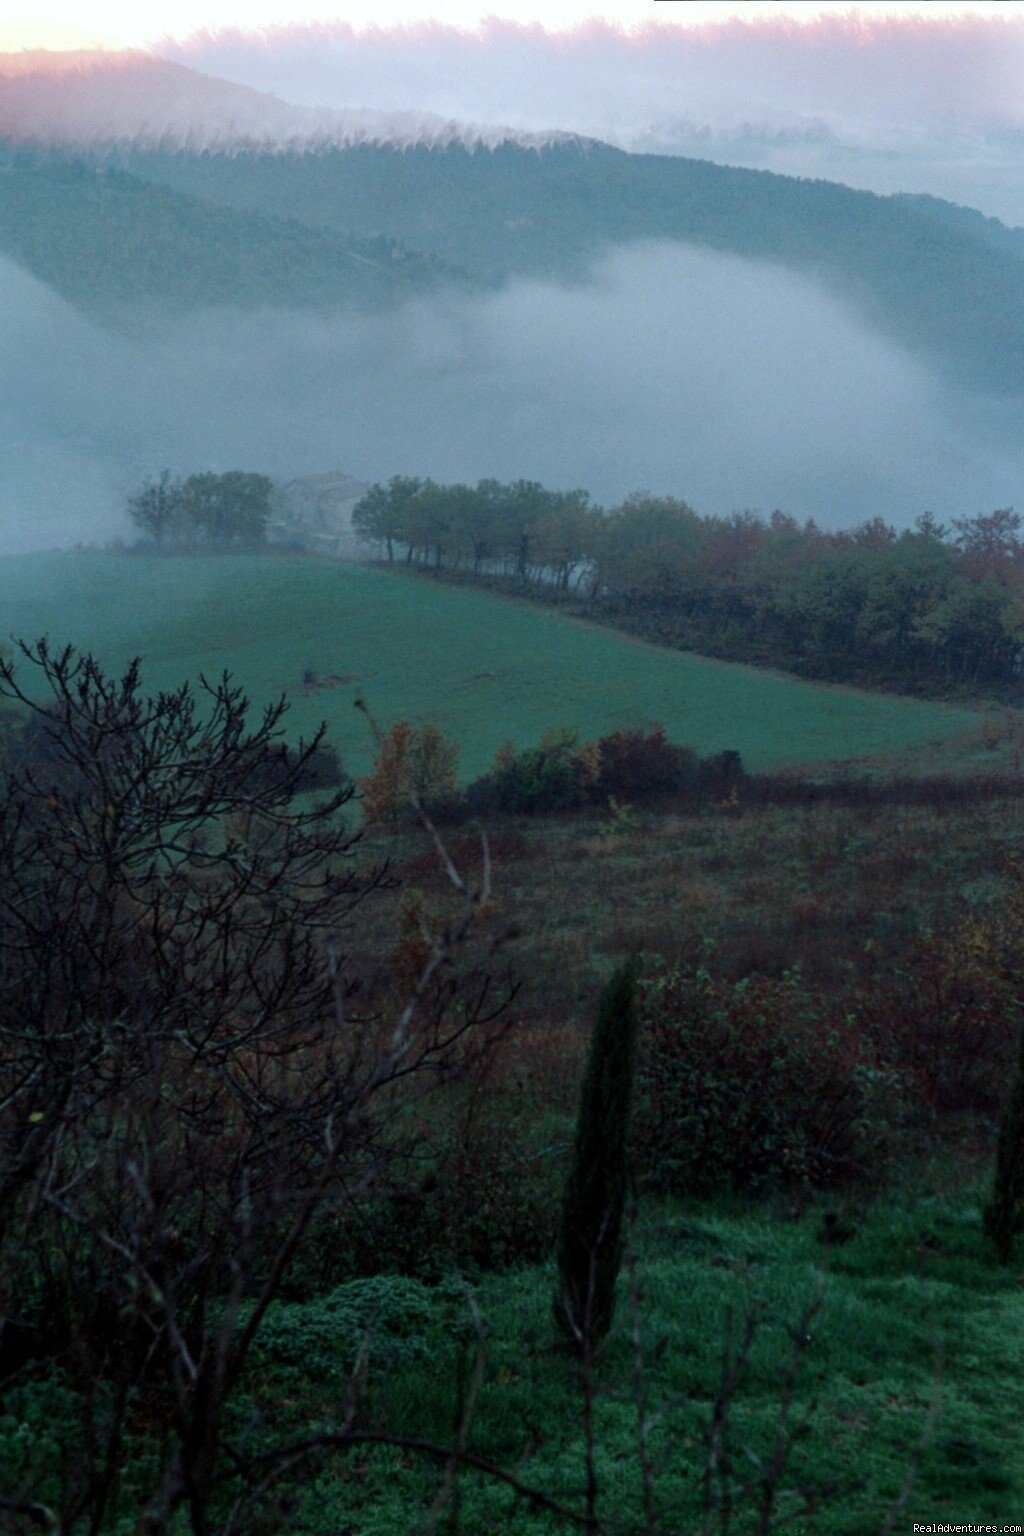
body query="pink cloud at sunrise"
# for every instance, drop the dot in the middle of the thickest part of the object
(119, 24)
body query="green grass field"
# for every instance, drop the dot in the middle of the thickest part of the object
(485, 669)
(906, 1380)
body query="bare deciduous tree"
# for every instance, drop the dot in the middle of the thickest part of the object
(188, 1073)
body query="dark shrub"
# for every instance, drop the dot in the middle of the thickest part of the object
(722, 771)
(488, 1200)
(753, 1086)
(450, 810)
(640, 765)
(951, 1022)
(322, 768)
(40, 743)
(482, 1189)
(946, 1019)
(308, 769)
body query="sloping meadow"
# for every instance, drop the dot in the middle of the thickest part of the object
(486, 670)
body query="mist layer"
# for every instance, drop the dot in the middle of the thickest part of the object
(729, 383)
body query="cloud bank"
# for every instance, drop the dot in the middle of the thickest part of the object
(684, 372)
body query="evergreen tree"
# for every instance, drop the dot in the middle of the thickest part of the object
(1004, 1214)
(590, 1241)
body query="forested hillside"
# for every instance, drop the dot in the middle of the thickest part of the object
(938, 285)
(1002, 237)
(105, 240)
(367, 222)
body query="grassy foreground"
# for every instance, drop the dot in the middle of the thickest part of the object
(484, 669)
(910, 1365)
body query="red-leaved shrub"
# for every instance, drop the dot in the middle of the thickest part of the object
(639, 765)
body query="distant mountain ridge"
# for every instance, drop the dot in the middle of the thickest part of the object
(81, 101)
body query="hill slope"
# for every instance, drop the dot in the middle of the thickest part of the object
(1001, 237)
(106, 240)
(485, 669)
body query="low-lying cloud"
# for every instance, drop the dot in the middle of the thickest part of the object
(726, 382)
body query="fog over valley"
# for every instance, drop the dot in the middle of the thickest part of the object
(730, 383)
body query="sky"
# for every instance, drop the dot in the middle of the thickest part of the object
(63, 24)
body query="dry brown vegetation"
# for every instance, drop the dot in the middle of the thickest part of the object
(839, 891)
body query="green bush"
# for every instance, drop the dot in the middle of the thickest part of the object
(548, 777)
(488, 1200)
(754, 1086)
(491, 1204)
(563, 773)
(388, 1316)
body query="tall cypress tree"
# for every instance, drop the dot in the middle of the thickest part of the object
(590, 1241)
(1004, 1214)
